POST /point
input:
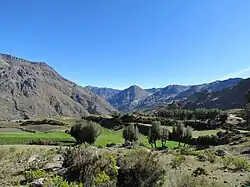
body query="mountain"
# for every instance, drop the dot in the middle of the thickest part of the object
(180, 92)
(153, 90)
(35, 89)
(233, 97)
(160, 97)
(210, 87)
(129, 98)
(107, 93)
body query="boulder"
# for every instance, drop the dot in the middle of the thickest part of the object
(37, 183)
(221, 152)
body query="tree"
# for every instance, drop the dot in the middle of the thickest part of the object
(178, 131)
(130, 133)
(164, 136)
(188, 134)
(154, 133)
(85, 132)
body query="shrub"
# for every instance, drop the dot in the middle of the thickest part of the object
(185, 151)
(211, 157)
(227, 161)
(140, 168)
(32, 175)
(241, 163)
(179, 180)
(199, 171)
(69, 155)
(90, 166)
(177, 161)
(130, 133)
(41, 160)
(60, 182)
(85, 132)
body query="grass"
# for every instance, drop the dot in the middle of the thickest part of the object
(106, 136)
(25, 138)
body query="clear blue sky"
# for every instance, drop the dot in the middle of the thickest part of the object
(118, 43)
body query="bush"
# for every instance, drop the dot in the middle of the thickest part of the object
(85, 132)
(241, 163)
(179, 180)
(40, 161)
(177, 161)
(227, 161)
(140, 168)
(90, 167)
(199, 171)
(32, 175)
(69, 155)
(60, 182)
(130, 133)
(97, 168)
(211, 157)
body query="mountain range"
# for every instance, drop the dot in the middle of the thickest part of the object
(35, 89)
(232, 97)
(136, 98)
(32, 89)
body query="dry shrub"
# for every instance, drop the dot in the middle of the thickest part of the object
(177, 179)
(140, 168)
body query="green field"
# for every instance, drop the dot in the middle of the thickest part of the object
(106, 136)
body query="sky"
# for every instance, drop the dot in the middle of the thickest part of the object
(115, 43)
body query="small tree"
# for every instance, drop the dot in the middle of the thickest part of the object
(164, 136)
(178, 131)
(85, 132)
(154, 133)
(130, 133)
(188, 134)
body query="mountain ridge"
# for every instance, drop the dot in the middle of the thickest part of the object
(161, 96)
(36, 89)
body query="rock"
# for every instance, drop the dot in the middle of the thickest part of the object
(201, 158)
(225, 170)
(225, 182)
(37, 183)
(127, 143)
(221, 152)
(111, 145)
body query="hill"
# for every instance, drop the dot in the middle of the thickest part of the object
(228, 98)
(129, 98)
(35, 89)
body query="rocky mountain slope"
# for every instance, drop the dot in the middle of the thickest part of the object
(35, 89)
(107, 93)
(180, 92)
(129, 98)
(233, 97)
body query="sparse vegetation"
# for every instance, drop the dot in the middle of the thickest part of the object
(177, 161)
